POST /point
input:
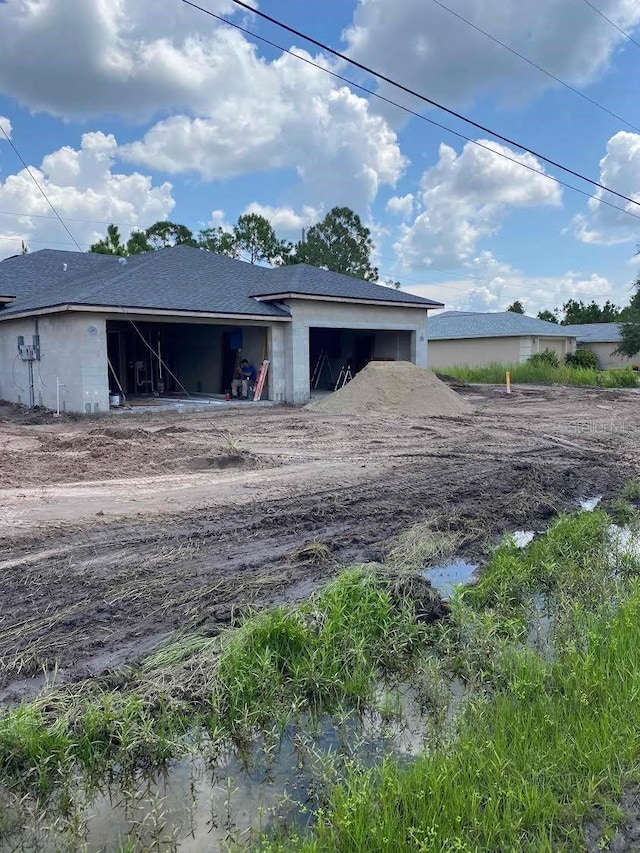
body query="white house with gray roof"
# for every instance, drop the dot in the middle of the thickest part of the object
(458, 338)
(603, 339)
(177, 320)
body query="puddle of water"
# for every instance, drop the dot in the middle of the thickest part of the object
(197, 808)
(523, 537)
(541, 625)
(446, 577)
(590, 504)
(625, 540)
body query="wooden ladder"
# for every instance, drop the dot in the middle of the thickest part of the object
(262, 377)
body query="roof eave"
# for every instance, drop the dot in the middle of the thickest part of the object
(153, 312)
(427, 305)
(466, 337)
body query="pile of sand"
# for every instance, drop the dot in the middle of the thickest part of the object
(394, 387)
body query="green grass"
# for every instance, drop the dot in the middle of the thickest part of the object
(328, 652)
(548, 737)
(566, 557)
(106, 732)
(531, 374)
(631, 491)
(526, 769)
(554, 743)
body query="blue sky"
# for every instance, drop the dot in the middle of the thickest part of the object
(139, 110)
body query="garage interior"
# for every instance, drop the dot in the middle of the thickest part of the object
(331, 350)
(146, 358)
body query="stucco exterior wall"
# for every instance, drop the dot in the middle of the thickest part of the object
(561, 346)
(307, 314)
(474, 352)
(478, 352)
(73, 348)
(604, 351)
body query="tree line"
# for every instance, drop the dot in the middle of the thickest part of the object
(340, 242)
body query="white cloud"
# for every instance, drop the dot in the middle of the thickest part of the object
(429, 50)
(82, 186)
(465, 197)
(218, 219)
(79, 58)
(226, 110)
(286, 221)
(5, 124)
(496, 285)
(401, 205)
(620, 170)
(279, 115)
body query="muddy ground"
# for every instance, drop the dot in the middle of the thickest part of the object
(116, 531)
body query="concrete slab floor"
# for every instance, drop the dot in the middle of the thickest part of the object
(178, 404)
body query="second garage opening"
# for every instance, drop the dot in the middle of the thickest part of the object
(332, 351)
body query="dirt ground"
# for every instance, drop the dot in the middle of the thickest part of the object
(116, 531)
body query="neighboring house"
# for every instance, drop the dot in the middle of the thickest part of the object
(459, 338)
(178, 318)
(603, 339)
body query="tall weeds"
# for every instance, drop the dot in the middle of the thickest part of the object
(552, 740)
(545, 374)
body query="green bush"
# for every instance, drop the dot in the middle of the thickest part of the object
(582, 358)
(546, 357)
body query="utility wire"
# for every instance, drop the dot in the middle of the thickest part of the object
(85, 255)
(613, 23)
(485, 281)
(535, 65)
(419, 96)
(361, 88)
(411, 112)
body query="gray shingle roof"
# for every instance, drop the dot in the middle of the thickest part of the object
(466, 324)
(596, 333)
(176, 279)
(313, 281)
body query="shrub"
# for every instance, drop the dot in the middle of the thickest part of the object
(582, 358)
(546, 357)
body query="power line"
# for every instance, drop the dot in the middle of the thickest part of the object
(483, 280)
(88, 261)
(535, 65)
(411, 112)
(368, 92)
(613, 23)
(419, 96)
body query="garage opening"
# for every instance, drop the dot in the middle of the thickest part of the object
(175, 359)
(332, 351)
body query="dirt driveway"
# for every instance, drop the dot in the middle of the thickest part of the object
(116, 531)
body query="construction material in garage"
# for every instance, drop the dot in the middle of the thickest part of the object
(399, 387)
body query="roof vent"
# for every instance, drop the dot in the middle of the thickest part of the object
(64, 267)
(122, 260)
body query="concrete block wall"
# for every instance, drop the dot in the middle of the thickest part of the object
(335, 315)
(73, 348)
(277, 376)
